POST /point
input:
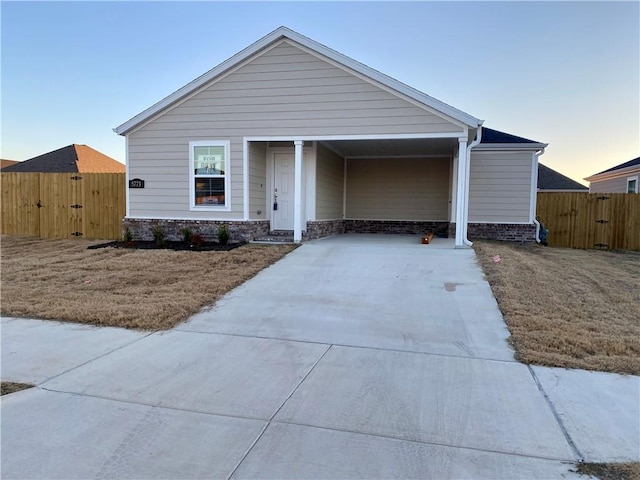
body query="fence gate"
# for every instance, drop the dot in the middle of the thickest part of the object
(591, 220)
(63, 205)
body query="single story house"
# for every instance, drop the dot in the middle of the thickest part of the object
(550, 180)
(622, 178)
(293, 136)
(72, 159)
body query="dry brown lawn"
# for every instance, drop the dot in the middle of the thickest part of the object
(140, 289)
(12, 387)
(568, 308)
(610, 471)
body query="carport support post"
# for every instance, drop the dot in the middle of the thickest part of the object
(297, 192)
(461, 193)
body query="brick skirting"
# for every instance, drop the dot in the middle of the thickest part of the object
(510, 232)
(397, 227)
(142, 228)
(323, 228)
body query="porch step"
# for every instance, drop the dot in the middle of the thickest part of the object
(276, 236)
(278, 239)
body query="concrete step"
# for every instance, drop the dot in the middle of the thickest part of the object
(277, 239)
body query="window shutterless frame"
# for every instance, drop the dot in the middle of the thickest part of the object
(632, 185)
(209, 175)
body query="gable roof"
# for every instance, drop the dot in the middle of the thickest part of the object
(284, 33)
(69, 159)
(549, 179)
(630, 163)
(495, 136)
(6, 163)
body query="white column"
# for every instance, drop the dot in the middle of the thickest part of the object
(461, 193)
(297, 194)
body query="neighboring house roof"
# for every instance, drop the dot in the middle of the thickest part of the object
(549, 179)
(7, 163)
(630, 163)
(284, 33)
(71, 159)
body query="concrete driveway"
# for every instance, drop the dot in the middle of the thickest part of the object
(353, 357)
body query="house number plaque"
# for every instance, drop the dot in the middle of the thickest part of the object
(136, 183)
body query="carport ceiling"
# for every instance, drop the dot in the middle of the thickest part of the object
(392, 147)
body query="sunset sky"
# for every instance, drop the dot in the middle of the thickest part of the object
(563, 73)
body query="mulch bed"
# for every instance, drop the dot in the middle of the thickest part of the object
(170, 245)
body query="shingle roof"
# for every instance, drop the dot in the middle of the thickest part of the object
(495, 136)
(69, 159)
(549, 179)
(630, 163)
(6, 163)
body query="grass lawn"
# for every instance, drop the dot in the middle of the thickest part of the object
(566, 307)
(140, 289)
(11, 387)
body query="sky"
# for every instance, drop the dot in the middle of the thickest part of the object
(562, 73)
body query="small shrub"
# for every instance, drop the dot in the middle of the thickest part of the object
(158, 235)
(196, 240)
(187, 233)
(127, 236)
(223, 235)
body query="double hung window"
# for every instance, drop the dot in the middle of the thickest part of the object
(209, 163)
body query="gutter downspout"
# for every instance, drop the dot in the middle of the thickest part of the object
(535, 220)
(465, 223)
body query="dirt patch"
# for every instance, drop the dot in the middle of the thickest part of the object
(565, 307)
(121, 287)
(610, 471)
(12, 387)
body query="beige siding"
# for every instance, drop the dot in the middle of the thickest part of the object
(611, 185)
(329, 184)
(257, 180)
(500, 187)
(282, 92)
(167, 176)
(398, 189)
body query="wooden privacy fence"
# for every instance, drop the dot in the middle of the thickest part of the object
(63, 205)
(591, 220)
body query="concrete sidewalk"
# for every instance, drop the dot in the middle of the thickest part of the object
(353, 357)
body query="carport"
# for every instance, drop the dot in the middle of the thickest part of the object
(319, 186)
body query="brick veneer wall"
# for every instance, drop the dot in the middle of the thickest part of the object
(510, 232)
(323, 228)
(389, 226)
(142, 228)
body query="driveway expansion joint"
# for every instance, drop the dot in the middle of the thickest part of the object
(151, 405)
(574, 448)
(96, 358)
(421, 442)
(278, 409)
(363, 347)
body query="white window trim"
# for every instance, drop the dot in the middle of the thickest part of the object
(631, 179)
(227, 176)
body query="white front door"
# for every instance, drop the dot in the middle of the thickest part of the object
(283, 190)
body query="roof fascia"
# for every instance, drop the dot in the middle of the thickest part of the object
(286, 33)
(622, 172)
(511, 146)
